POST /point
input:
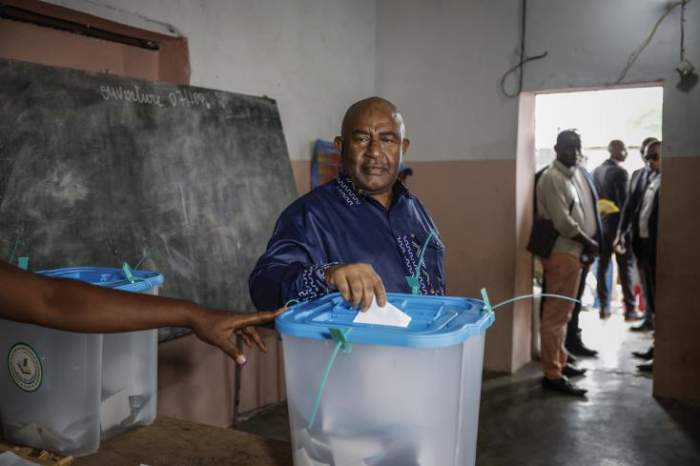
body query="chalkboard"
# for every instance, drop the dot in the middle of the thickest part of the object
(97, 169)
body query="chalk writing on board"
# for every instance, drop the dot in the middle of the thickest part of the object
(130, 94)
(187, 98)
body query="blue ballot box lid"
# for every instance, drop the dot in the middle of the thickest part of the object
(436, 321)
(117, 279)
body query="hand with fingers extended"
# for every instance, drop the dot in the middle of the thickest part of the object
(217, 328)
(358, 283)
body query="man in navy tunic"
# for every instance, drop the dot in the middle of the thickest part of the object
(363, 233)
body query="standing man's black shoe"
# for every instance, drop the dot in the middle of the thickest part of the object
(647, 367)
(571, 359)
(646, 355)
(631, 316)
(604, 313)
(563, 385)
(572, 371)
(576, 346)
(646, 326)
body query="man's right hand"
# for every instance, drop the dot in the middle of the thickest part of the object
(619, 246)
(357, 283)
(591, 247)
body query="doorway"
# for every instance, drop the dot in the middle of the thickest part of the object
(628, 114)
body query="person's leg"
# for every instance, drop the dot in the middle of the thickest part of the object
(562, 274)
(650, 291)
(625, 265)
(646, 278)
(573, 341)
(650, 280)
(602, 285)
(572, 326)
(609, 282)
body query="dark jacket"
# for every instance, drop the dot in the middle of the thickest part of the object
(629, 220)
(337, 223)
(611, 182)
(595, 196)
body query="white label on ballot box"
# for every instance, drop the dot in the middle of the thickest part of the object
(387, 315)
(25, 367)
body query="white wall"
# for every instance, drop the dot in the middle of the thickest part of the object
(315, 57)
(441, 61)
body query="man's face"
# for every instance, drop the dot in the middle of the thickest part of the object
(568, 151)
(652, 156)
(618, 151)
(372, 147)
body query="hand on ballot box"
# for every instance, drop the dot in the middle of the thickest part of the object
(357, 283)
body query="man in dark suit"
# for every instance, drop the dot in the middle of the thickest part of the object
(611, 183)
(638, 226)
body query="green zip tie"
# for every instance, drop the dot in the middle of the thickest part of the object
(23, 263)
(341, 342)
(414, 284)
(487, 302)
(127, 271)
(413, 280)
(14, 250)
(340, 337)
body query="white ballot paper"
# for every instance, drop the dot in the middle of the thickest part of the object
(387, 315)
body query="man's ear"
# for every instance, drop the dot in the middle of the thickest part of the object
(405, 144)
(339, 144)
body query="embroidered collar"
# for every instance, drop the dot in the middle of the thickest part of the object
(352, 195)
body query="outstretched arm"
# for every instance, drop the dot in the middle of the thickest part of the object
(74, 306)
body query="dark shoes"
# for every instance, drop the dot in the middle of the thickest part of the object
(646, 355)
(571, 359)
(647, 367)
(563, 385)
(604, 312)
(646, 326)
(631, 316)
(576, 346)
(573, 371)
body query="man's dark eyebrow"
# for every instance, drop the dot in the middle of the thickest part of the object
(389, 133)
(359, 132)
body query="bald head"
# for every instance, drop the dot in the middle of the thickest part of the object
(617, 150)
(371, 104)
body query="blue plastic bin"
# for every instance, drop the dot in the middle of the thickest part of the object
(399, 397)
(64, 391)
